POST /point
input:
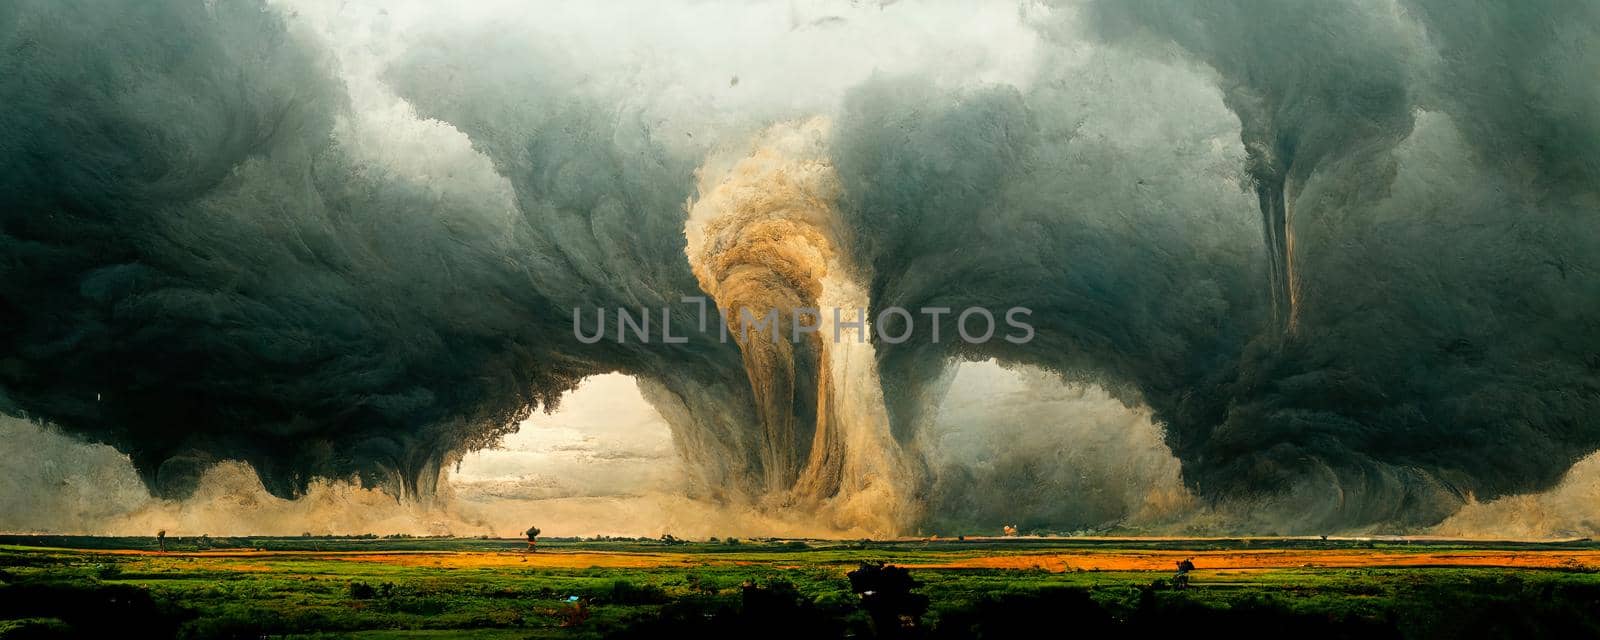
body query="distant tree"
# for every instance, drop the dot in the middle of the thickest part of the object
(779, 610)
(887, 598)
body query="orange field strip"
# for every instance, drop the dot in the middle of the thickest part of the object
(1275, 559)
(1109, 560)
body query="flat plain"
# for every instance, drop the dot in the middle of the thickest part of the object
(59, 586)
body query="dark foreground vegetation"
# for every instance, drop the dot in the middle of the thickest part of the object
(761, 590)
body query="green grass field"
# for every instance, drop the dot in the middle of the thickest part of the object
(434, 588)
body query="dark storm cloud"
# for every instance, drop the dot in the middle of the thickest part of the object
(1312, 84)
(1130, 243)
(1446, 334)
(194, 269)
(601, 195)
(1518, 78)
(196, 265)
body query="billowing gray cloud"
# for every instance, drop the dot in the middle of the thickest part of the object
(199, 265)
(1342, 252)
(1438, 338)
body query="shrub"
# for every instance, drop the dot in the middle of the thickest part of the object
(362, 591)
(624, 592)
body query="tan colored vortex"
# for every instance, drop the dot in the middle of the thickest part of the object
(764, 236)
